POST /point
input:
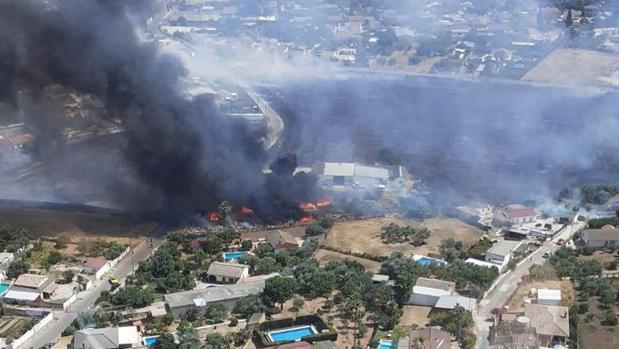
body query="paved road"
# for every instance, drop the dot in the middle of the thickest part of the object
(86, 299)
(507, 284)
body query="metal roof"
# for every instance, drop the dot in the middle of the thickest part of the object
(214, 294)
(549, 294)
(339, 169)
(450, 302)
(435, 284)
(21, 295)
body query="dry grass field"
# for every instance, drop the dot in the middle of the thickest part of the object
(76, 225)
(363, 236)
(325, 256)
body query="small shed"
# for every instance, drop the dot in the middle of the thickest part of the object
(548, 296)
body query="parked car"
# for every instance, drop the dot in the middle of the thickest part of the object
(546, 255)
(560, 242)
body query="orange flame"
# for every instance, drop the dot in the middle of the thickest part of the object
(307, 219)
(307, 206)
(213, 217)
(322, 203)
(246, 210)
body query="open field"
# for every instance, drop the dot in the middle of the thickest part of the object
(600, 256)
(591, 333)
(325, 256)
(415, 316)
(522, 292)
(363, 236)
(77, 225)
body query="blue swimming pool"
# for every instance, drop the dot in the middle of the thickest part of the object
(232, 256)
(425, 261)
(291, 334)
(150, 341)
(3, 288)
(385, 344)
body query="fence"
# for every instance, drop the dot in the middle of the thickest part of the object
(34, 330)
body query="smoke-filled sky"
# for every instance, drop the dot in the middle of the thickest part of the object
(477, 140)
(175, 155)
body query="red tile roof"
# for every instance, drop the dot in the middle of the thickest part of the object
(518, 211)
(95, 263)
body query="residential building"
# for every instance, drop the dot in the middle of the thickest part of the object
(178, 303)
(97, 266)
(428, 291)
(475, 214)
(427, 338)
(32, 282)
(551, 323)
(501, 253)
(607, 236)
(547, 296)
(5, 259)
(282, 241)
(518, 214)
(227, 272)
(106, 338)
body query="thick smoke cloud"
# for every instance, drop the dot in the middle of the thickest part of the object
(184, 157)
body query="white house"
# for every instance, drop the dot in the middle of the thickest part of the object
(548, 296)
(107, 338)
(5, 259)
(428, 291)
(226, 272)
(501, 253)
(519, 214)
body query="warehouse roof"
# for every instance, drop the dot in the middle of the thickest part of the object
(21, 294)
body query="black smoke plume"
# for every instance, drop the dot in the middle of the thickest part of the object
(184, 156)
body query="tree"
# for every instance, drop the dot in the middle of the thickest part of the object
(246, 245)
(610, 319)
(379, 299)
(133, 296)
(297, 304)
(216, 312)
(16, 268)
(67, 276)
(165, 341)
(214, 246)
(62, 241)
(113, 252)
(224, 210)
(278, 290)
(218, 341)
(314, 229)
(187, 336)
(241, 337)
(607, 297)
(249, 305)
(54, 257)
(451, 249)
(454, 321)
(266, 265)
